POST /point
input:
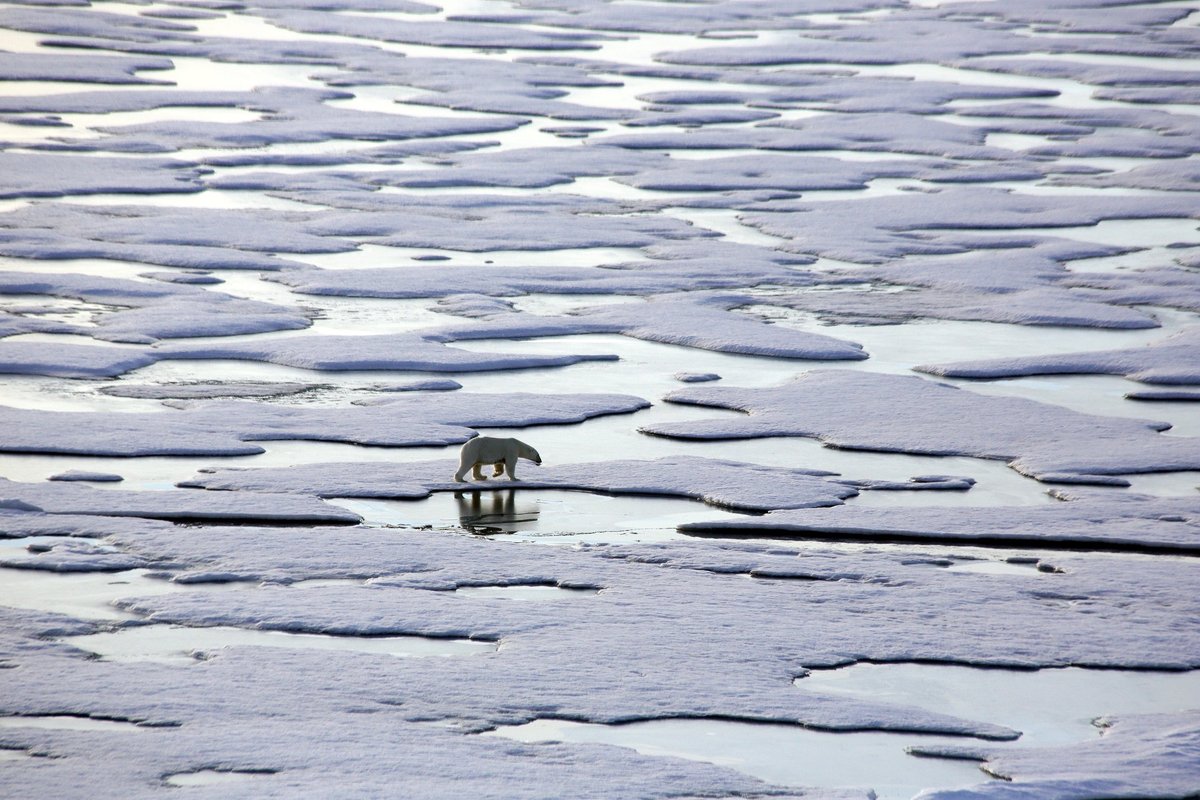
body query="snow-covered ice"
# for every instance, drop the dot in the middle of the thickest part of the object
(859, 340)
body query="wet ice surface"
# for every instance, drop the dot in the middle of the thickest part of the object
(539, 516)
(775, 753)
(1049, 707)
(279, 251)
(178, 645)
(209, 777)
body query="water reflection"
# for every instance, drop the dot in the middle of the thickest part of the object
(498, 512)
(547, 516)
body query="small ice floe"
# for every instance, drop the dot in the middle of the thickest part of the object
(183, 506)
(696, 377)
(1168, 395)
(192, 277)
(85, 475)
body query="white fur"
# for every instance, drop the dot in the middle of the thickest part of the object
(501, 453)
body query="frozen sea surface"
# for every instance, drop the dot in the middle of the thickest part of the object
(858, 342)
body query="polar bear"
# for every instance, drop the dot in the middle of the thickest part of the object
(502, 454)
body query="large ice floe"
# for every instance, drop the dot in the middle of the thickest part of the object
(858, 339)
(911, 415)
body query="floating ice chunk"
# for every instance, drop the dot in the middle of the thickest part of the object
(78, 68)
(84, 475)
(264, 231)
(381, 352)
(892, 413)
(1175, 175)
(71, 555)
(769, 171)
(189, 277)
(909, 39)
(91, 22)
(70, 360)
(676, 265)
(922, 483)
(487, 100)
(694, 319)
(73, 498)
(433, 385)
(1173, 360)
(440, 33)
(231, 428)
(874, 230)
(1041, 305)
(696, 377)
(1169, 287)
(1089, 520)
(196, 317)
(1164, 395)
(46, 175)
(65, 244)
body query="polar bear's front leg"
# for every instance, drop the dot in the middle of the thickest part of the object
(463, 467)
(497, 469)
(510, 465)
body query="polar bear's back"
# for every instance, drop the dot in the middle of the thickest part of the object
(488, 450)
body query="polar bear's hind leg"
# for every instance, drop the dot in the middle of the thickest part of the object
(497, 469)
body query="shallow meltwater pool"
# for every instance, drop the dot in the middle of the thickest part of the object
(84, 595)
(176, 644)
(540, 515)
(1048, 707)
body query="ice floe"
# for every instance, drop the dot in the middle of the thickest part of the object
(692, 187)
(1173, 360)
(1041, 440)
(1083, 520)
(231, 427)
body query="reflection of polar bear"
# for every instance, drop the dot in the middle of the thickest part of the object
(501, 453)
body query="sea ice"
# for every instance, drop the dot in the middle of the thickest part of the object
(723, 483)
(1087, 520)
(231, 427)
(1173, 360)
(74, 498)
(862, 411)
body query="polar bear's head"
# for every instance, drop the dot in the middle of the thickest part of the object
(527, 452)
